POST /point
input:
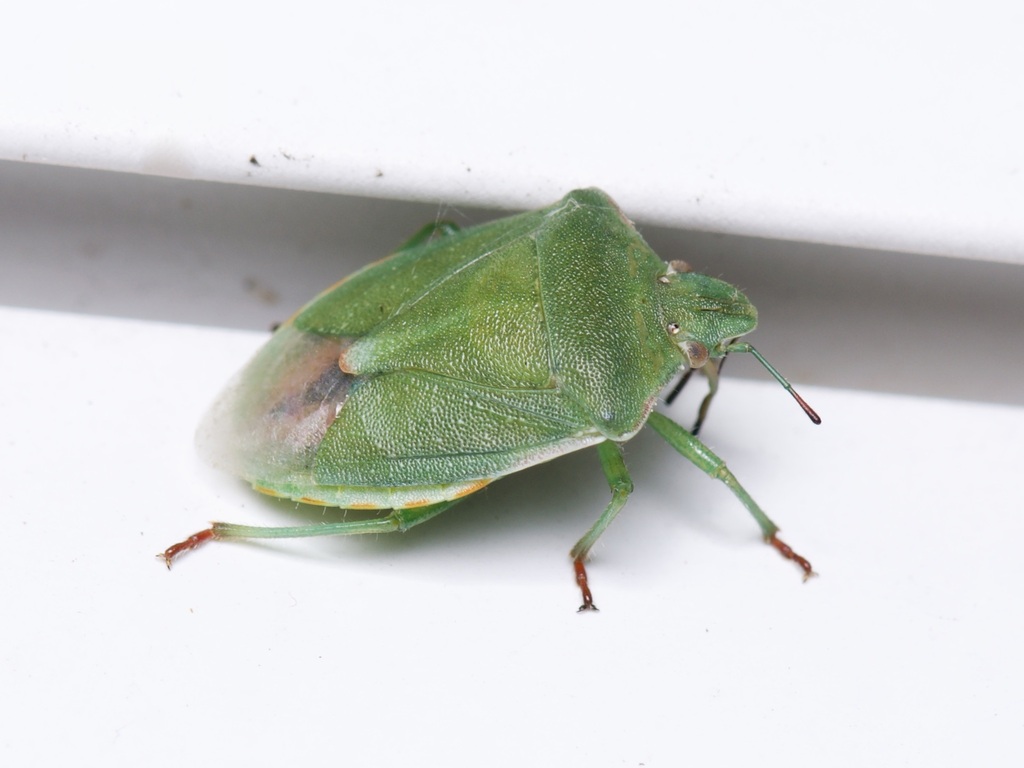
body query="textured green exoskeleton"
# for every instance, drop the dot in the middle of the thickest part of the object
(468, 355)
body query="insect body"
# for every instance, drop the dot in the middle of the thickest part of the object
(471, 354)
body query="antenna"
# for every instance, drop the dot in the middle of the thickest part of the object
(744, 347)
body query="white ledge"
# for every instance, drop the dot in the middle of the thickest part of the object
(879, 125)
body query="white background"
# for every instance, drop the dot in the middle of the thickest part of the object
(893, 128)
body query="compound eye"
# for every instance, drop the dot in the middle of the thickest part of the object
(695, 352)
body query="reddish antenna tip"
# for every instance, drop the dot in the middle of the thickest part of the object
(744, 347)
(811, 413)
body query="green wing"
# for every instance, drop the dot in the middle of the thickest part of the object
(412, 428)
(484, 323)
(459, 359)
(359, 303)
(558, 298)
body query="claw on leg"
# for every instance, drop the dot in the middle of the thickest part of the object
(191, 542)
(581, 581)
(787, 552)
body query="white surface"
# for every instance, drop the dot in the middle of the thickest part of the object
(891, 125)
(457, 643)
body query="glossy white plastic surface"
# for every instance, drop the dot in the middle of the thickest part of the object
(892, 125)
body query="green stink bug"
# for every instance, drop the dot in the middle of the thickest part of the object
(471, 354)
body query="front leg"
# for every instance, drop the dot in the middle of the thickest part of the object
(703, 457)
(621, 486)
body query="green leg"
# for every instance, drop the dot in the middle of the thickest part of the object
(621, 485)
(399, 520)
(702, 456)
